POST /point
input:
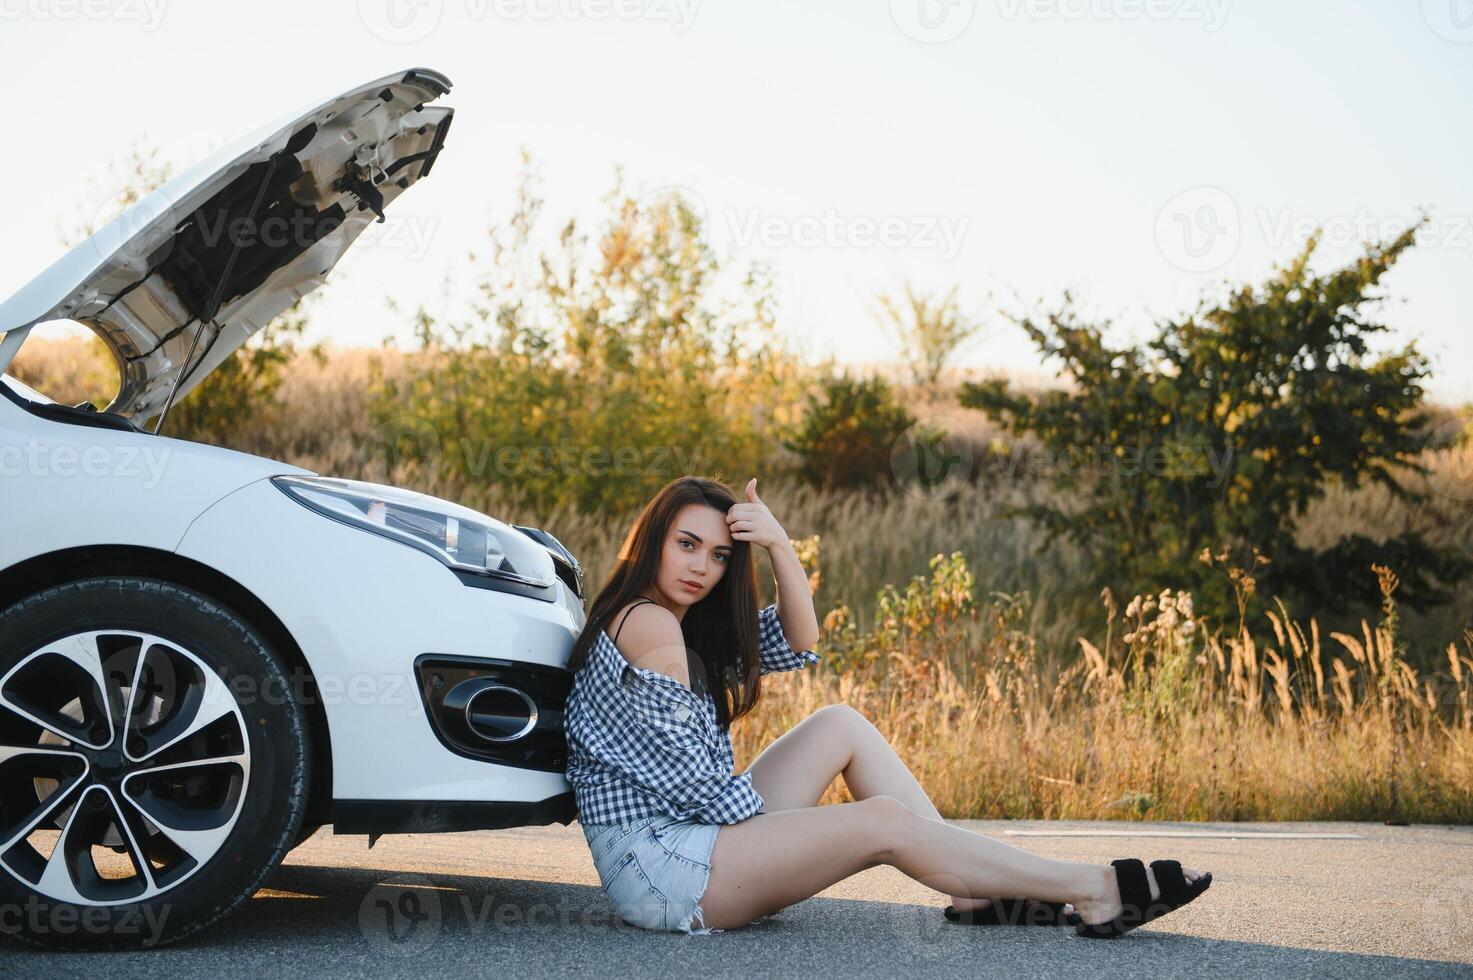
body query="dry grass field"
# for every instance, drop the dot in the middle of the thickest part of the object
(1010, 689)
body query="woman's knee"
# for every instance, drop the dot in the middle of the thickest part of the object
(888, 824)
(844, 715)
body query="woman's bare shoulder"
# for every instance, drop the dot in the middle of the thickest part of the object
(650, 637)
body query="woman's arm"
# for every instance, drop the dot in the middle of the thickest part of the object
(752, 521)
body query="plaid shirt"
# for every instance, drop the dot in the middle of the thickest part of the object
(642, 744)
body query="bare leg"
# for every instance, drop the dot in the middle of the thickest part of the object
(794, 770)
(772, 860)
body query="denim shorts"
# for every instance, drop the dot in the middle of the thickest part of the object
(655, 870)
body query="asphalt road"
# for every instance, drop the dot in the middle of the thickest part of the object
(525, 903)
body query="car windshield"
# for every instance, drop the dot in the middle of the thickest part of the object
(25, 391)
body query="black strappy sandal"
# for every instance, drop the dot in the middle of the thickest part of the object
(1011, 912)
(1135, 897)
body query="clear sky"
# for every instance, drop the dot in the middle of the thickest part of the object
(1136, 152)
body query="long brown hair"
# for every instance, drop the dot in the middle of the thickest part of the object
(720, 630)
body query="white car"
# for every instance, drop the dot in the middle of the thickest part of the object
(205, 655)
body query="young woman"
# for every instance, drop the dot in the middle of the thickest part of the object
(672, 653)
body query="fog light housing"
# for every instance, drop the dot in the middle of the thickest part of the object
(497, 710)
(493, 711)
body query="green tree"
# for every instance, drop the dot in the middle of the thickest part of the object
(590, 370)
(849, 430)
(1225, 427)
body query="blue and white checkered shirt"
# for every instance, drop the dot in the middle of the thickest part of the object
(642, 744)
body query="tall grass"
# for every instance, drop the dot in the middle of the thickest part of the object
(1161, 717)
(1006, 683)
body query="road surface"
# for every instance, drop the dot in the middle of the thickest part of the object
(1322, 900)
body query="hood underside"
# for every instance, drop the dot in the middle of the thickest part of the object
(188, 274)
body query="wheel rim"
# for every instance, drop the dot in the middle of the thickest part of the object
(124, 764)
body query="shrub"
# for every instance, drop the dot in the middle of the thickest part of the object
(848, 432)
(1224, 428)
(590, 374)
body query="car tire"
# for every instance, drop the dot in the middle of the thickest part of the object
(305, 834)
(140, 722)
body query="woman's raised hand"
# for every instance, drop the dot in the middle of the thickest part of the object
(752, 521)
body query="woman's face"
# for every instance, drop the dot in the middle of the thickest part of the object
(696, 552)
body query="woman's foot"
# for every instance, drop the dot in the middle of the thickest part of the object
(1104, 904)
(1011, 912)
(969, 904)
(972, 904)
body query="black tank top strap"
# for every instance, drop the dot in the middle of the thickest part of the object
(642, 599)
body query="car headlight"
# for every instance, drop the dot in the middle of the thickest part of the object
(463, 539)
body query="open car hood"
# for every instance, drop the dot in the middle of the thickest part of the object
(211, 257)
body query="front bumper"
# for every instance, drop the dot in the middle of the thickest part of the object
(363, 609)
(376, 817)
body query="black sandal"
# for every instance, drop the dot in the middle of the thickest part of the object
(1135, 896)
(1011, 912)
